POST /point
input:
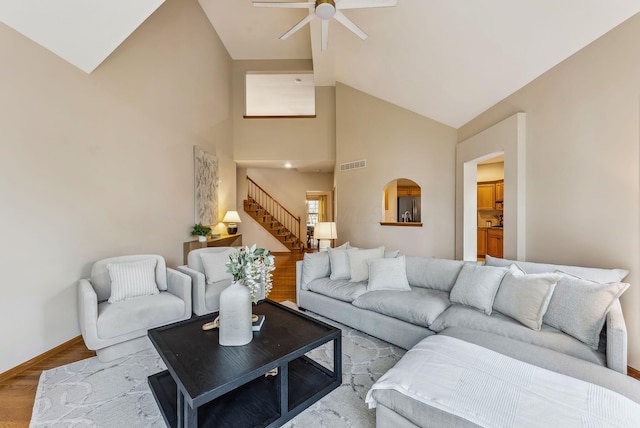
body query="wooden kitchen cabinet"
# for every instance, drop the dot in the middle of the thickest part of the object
(408, 191)
(482, 241)
(486, 196)
(491, 195)
(499, 191)
(495, 243)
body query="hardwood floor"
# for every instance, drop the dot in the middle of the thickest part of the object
(18, 392)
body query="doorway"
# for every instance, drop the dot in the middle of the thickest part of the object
(490, 202)
(508, 138)
(319, 209)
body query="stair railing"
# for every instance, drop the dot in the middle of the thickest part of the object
(273, 207)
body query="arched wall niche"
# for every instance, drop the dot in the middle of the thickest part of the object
(402, 203)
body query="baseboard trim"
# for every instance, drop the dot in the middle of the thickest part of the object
(634, 373)
(37, 359)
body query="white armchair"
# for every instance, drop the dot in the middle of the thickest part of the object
(114, 329)
(206, 296)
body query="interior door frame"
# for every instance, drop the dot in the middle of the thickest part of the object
(508, 137)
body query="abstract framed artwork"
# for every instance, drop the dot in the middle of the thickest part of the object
(205, 187)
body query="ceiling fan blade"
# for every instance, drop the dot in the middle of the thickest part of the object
(341, 18)
(286, 5)
(360, 4)
(325, 34)
(299, 25)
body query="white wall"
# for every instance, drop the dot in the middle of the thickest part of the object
(99, 165)
(396, 144)
(582, 162)
(288, 187)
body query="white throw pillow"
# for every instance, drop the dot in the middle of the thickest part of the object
(358, 267)
(579, 307)
(132, 279)
(525, 298)
(339, 261)
(388, 274)
(477, 285)
(314, 266)
(391, 253)
(215, 268)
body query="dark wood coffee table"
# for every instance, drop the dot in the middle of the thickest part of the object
(225, 386)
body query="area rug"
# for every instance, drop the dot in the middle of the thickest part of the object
(89, 393)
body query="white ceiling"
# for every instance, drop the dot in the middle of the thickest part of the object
(445, 59)
(83, 32)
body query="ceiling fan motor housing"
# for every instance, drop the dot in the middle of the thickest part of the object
(325, 9)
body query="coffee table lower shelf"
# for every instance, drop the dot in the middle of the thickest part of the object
(254, 404)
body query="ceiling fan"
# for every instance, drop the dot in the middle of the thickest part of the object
(325, 10)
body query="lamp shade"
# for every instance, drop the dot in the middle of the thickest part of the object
(325, 230)
(232, 217)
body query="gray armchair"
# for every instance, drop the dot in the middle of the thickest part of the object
(205, 297)
(120, 328)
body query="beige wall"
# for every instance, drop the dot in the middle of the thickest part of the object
(582, 162)
(491, 171)
(100, 165)
(396, 144)
(282, 139)
(292, 196)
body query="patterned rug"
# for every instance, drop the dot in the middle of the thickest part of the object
(89, 393)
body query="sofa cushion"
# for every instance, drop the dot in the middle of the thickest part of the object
(215, 265)
(339, 260)
(477, 285)
(144, 312)
(525, 297)
(579, 307)
(340, 289)
(314, 266)
(132, 279)
(593, 274)
(496, 323)
(550, 360)
(388, 274)
(437, 274)
(358, 266)
(420, 306)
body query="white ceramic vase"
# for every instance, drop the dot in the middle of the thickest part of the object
(202, 238)
(235, 316)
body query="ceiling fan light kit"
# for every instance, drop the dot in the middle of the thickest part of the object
(325, 10)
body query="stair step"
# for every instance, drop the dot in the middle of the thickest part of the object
(273, 226)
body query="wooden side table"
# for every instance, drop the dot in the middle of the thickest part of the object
(221, 241)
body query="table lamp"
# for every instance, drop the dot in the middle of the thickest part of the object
(325, 232)
(232, 217)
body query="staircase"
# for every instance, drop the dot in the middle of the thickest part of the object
(273, 217)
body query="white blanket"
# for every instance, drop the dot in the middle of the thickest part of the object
(493, 390)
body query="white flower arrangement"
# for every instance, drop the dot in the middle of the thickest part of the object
(252, 267)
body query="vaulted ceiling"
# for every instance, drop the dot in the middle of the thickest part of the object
(445, 59)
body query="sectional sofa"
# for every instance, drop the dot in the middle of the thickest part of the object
(564, 319)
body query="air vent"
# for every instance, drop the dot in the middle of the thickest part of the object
(348, 166)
